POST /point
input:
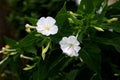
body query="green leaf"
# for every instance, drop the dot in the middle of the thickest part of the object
(96, 77)
(28, 40)
(10, 41)
(56, 64)
(41, 72)
(31, 49)
(63, 10)
(71, 75)
(82, 33)
(13, 65)
(115, 26)
(3, 63)
(90, 54)
(35, 75)
(61, 16)
(33, 21)
(88, 6)
(63, 24)
(113, 41)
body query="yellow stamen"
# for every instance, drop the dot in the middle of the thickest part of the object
(47, 27)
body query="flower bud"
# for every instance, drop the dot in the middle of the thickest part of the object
(28, 30)
(112, 20)
(70, 20)
(98, 28)
(28, 26)
(73, 14)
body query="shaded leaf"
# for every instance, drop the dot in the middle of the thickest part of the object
(113, 41)
(31, 49)
(71, 75)
(4, 63)
(91, 56)
(10, 42)
(28, 40)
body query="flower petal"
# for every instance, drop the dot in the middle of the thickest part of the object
(50, 21)
(77, 48)
(41, 21)
(63, 41)
(39, 28)
(73, 39)
(54, 29)
(71, 52)
(45, 32)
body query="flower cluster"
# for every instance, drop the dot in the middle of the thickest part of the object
(46, 26)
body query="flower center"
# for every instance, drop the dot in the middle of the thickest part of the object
(47, 27)
(71, 45)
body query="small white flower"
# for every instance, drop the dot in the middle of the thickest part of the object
(47, 26)
(70, 46)
(110, 2)
(78, 2)
(100, 10)
(111, 30)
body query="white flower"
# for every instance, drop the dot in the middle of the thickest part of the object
(78, 2)
(111, 30)
(47, 26)
(100, 10)
(110, 2)
(70, 46)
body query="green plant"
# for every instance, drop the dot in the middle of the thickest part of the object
(38, 56)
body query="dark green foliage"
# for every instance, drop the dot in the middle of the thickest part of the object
(100, 48)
